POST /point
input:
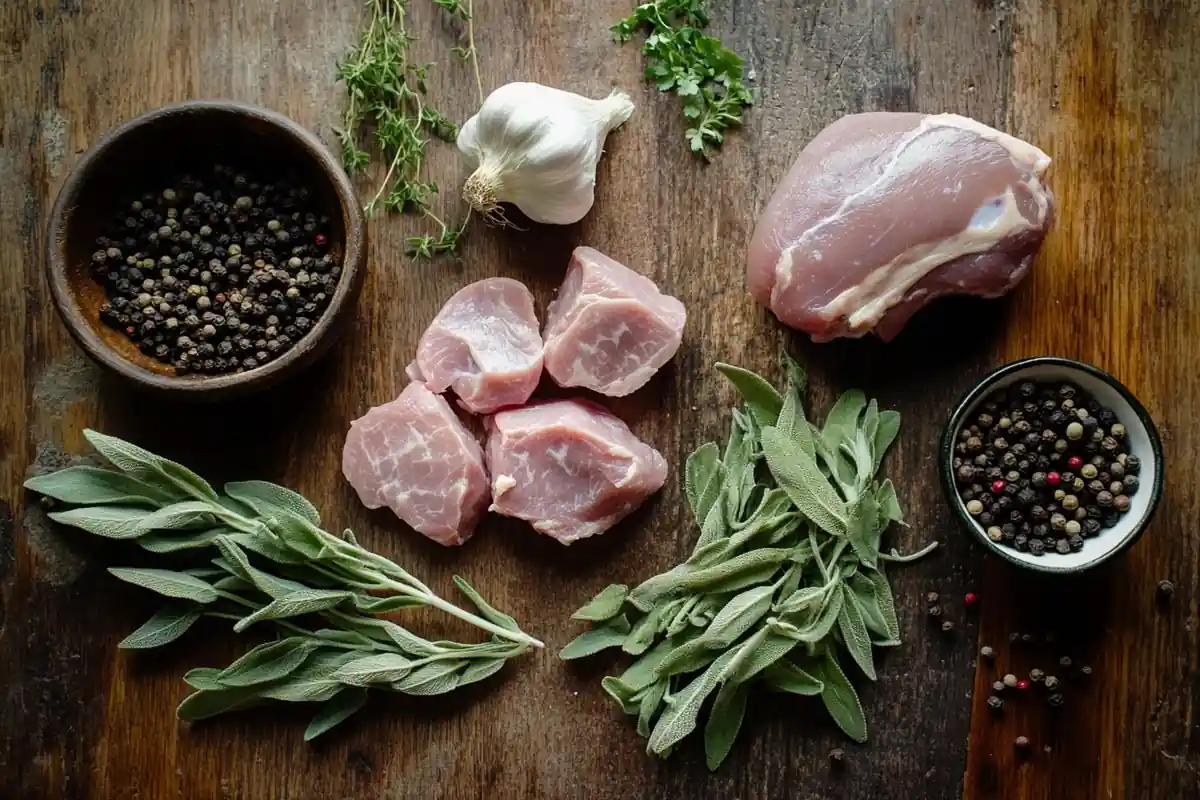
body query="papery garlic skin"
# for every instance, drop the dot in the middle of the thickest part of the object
(537, 147)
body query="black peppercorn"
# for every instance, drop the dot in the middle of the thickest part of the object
(995, 703)
(1133, 465)
(1055, 700)
(1037, 547)
(1051, 682)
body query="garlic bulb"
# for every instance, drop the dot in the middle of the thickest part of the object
(537, 148)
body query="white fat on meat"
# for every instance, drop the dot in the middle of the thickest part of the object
(610, 329)
(484, 345)
(415, 456)
(884, 212)
(569, 467)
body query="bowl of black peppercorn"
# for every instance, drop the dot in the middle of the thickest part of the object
(1052, 464)
(206, 250)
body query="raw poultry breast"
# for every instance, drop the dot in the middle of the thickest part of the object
(884, 212)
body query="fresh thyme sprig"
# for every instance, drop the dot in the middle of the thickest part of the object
(387, 93)
(705, 74)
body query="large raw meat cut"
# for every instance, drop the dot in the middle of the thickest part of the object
(569, 467)
(485, 345)
(884, 212)
(610, 329)
(415, 456)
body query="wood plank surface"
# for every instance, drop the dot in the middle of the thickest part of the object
(1111, 90)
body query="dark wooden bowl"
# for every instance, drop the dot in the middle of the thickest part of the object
(162, 145)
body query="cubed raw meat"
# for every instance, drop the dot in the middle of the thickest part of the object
(610, 329)
(484, 344)
(569, 467)
(415, 456)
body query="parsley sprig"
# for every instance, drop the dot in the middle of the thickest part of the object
(705, 74)
(387, 97)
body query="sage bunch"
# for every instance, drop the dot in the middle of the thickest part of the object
(787, 579)
(269, 561)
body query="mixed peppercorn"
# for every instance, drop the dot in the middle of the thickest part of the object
(217, 274)
(1042, 467)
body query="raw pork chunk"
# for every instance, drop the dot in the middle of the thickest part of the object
(569, 467)
(610, 329)
(484, 344)
(418, 459)
(884, 212)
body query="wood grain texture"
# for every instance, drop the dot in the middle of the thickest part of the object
(1114, 96)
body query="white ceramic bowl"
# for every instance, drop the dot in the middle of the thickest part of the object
(1141, 440)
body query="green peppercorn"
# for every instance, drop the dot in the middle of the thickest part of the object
(1060, 446)
(987, 653)
(1070, 502)
(1058, 522)
(1074, 431)
(243, 203)
(1117, 431)
(1088, 471)
(1036, 675)
(1073, 527)
(995, 534)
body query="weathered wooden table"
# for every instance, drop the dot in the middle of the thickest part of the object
(1111, 90)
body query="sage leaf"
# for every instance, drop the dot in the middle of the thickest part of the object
(268, 662)
(738, 616)
(855, 635)
(207, 703)
(841, 700)
(715, 525)
(641, 634)
(800, 599)
(111, 522)
(680, 717)
(312, 683)
(89, 486)
(167, 625)
(761, 651)
(183, 516)
(388, 631)
(862, 590)
(649, 702)
(268, 499)
(268, 546)
(175, 542)
(625, 696)
(383, 605)
(738, 572)
(884, 601)
(698, 472)
(348, 638)
(885, 434)
(762, 400)
(842, 419)
(485, 610)
(820, 627)
(644, 671)
(375, 668)
(334, 711)
(299, 535)
(481, 669)
(798, 475)
(146, 466)
(687, 657)
(610, 634)
(168, 583)
(436, 678)
(295, 604)
(870, 426)
(863, 529)
(784, 676)
(605, 605)
(724, 722)
(889, 506)
(203, 678)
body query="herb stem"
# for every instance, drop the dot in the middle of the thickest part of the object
(466, 616)
(472, 50)
(899, 559)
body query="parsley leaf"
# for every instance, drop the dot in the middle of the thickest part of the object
(705, 74)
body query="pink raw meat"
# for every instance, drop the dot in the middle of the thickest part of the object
(610, 329)
(415, 457)
(484, 344)
(569, 467)
(884, 212)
